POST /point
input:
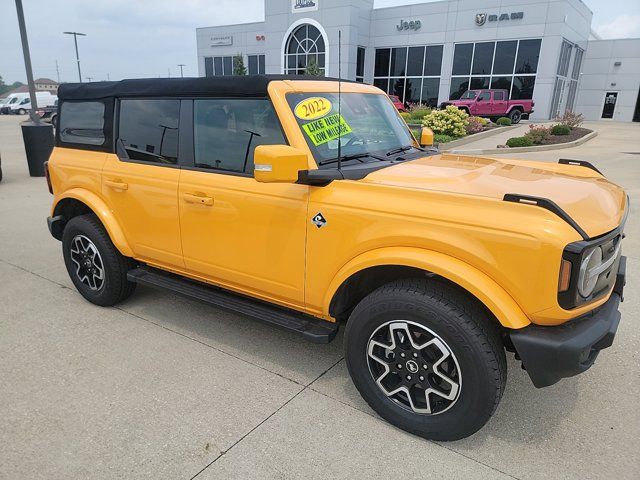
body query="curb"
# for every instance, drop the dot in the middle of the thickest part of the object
(533, 148)
(477, 136)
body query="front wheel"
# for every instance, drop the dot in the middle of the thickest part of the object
(22, 111)
(515, 115)
(96, 267)
(426, 358)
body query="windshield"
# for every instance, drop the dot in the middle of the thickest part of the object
(468, 95)
(367, 124)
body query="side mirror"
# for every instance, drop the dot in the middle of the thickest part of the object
(426, 137)
(278, 163)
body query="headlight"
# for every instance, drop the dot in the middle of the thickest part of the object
(589, 271)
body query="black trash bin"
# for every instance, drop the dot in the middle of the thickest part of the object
(38, 144)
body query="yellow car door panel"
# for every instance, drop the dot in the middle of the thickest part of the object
(140, 183)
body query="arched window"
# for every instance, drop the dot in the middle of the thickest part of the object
(304, 46)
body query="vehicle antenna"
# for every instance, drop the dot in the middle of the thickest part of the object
(339, 91)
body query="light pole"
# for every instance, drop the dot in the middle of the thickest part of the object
(75, 40)
(27, 62)
(181, 65)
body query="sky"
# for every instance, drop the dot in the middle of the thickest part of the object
(149, 38)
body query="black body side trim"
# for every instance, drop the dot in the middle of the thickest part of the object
(311, 328)
(549, 205)
(579, 163)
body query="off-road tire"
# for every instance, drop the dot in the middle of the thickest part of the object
(115, 287)
(467, 329)
(515, 115)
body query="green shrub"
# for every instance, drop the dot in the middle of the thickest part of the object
(406, 116)
(519, 142)
(418, 112)
(504, 121)
(441, 138)
(450, 121)
(538, 133)
(560, 129)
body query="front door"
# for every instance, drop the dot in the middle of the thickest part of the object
(609, 106)
(140, 183)
(237, 232)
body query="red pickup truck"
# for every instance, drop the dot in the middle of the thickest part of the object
(492, 104)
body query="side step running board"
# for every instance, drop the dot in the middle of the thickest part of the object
(313, 329)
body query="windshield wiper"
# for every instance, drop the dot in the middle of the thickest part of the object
(355, 156)
(402, 149)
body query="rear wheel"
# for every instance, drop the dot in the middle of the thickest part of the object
(515, 115)
(96, 267)
(426, 358)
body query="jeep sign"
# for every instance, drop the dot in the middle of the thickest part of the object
(409, 25)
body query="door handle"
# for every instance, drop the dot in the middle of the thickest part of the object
(198, 199)
(116, 185)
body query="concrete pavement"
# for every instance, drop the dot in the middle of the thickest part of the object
(163, 387)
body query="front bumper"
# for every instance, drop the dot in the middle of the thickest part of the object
(550, 354)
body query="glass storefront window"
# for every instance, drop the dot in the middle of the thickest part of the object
(411, 73)
(522, 87)
(462, 59)
(415, 61)
(528, 54)
(430, 90)
(493, 65)
(459, 85)
(505, 57)
(398, 61)
(478, 83)
(483, 58)
(383, 55)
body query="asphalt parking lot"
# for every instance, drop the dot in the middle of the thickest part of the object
(163, 387)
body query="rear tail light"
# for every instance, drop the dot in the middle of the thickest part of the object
(48, 177)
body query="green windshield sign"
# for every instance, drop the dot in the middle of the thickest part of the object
(326, 129)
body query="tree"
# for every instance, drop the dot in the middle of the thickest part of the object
(238, 65)
(313, 68)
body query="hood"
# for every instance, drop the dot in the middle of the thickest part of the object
(596, 204)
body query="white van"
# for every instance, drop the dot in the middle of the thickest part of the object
(23, 102)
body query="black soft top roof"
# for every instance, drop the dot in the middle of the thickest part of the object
(226, 86)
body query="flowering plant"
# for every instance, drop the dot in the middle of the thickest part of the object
(450, 121)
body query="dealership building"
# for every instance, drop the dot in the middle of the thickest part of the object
(543, 50)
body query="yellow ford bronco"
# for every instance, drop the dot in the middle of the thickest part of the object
(308, 204)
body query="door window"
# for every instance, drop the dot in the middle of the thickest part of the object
(226, 132)
(498, 95)
(149, 130)
(484, 97)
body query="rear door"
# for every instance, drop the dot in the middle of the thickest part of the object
(140, 181)
(499, 105)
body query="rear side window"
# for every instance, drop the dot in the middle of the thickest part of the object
(498, 95)
(227, 131)
(82, 123)
(148, 130)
